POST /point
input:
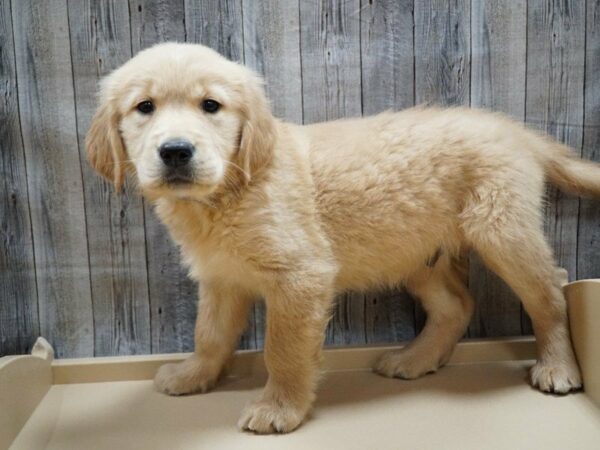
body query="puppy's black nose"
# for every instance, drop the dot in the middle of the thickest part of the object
(176, 153)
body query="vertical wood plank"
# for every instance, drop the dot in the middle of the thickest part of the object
(19, 321)
(330, 56)
(46, 102)
(154, 21)
(272, 49)
(498, 49)
(442, 52)
(386, 48)
(101, 42)
(442, 61)
(331, 89)
(218, 25)
(387, 71)
(173, 296)
(588, 241)
(555, 75)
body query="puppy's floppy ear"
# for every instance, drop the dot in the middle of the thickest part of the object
(105, 149)
(258, 131)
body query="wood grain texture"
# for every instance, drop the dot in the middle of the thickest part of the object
(387, 74)
(108, 278)
(217, 24)
(101, 42)
(272, 48)
(331, 89)
(498, 35)
(154, 21)
(173, 296)
(588, 240)
(47, 111)
(555, 75)
(19, 321)
(387, 57)
(442, 52)
(389, 317)
(330, 56)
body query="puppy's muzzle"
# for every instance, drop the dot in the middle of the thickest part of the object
(176, 155)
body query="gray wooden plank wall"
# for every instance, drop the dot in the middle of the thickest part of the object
(94, 271)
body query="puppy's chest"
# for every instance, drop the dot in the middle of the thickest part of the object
(212, 247)
(217, 262)
(215, 254)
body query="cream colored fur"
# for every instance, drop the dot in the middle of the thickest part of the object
(296, 214)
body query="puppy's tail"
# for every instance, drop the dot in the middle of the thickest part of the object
(570, 173)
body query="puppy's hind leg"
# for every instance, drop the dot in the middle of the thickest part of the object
(516, 250)
(449, 308)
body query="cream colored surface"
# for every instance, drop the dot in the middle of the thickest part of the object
(480, 400)
(469, 406)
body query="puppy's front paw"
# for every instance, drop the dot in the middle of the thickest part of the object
(559, 378)
(187, 377)
(271, 416)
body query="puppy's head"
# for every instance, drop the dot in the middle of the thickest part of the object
(184, 120)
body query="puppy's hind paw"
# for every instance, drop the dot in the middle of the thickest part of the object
(406, 364)
(556, 379)
(187, 377)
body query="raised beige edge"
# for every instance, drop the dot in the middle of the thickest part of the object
(584, 316)
(246, 363)
(24, 381)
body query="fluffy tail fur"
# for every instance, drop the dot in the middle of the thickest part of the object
(572, 174)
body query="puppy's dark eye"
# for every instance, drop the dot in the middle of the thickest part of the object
(145, 107)
(210, 106)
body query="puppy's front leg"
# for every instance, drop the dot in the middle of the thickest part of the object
(222, 315)
(296, 321)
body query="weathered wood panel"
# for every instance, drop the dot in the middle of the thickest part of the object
(154, 21)
(330, 56)
(555, 74)
(217, 24)
(19, 322)
(173, 296)
(272, 49)
(498, 35)
(100, 42)
(442, 52)
(47, 111)
(588, 241)
(331, 89)
(387, 57)
(387, 72)
(321, 60)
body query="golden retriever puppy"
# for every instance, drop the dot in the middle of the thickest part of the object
(296, 214)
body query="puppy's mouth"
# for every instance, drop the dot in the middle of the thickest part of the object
(178, 177)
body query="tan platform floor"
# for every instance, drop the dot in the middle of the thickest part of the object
(464, 406)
